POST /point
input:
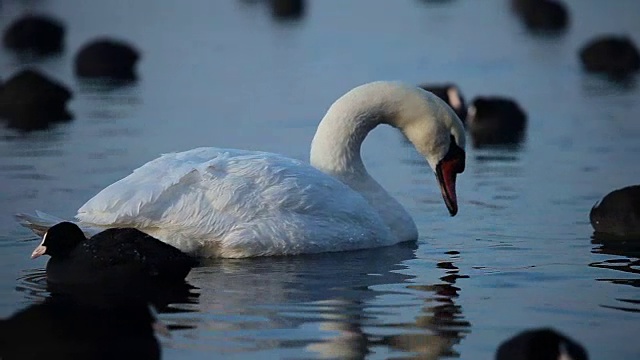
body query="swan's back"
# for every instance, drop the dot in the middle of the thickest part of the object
(236, 203)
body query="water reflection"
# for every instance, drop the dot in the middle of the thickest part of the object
(344, 320)
(626, 260)
(179, 297)
(627, 252)
(108, 99)
(323, 296)
(27, 180)
(339, 305)
(283, 11)
(442, 318)
(498, 170)
(36, 144)
(109, 323)
(498, 156)
(63, 327)
(594, 85)
(33, 284)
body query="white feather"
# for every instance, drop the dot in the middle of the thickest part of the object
(236, 203)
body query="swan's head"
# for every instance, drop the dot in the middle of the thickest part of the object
(438, 134)
(427, 121)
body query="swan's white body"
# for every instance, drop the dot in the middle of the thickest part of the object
(234, 203)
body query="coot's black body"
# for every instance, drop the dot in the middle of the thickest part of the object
(31, 100)
(123, 256)
(40, 34)
(107, 58)
(540, 344)
(618, 213)
(496, 120)
(614, 55)
(545, 15)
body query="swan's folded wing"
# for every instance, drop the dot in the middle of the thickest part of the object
(235, 203)
(134, 200)
(219, 188)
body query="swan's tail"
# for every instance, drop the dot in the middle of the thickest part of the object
(41, 222)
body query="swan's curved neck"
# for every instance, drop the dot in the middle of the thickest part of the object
(336, 145)
(335, 150)
(422, 117)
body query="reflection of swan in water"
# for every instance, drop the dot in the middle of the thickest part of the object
(439, 328)
(627, 260)
(339, 305)
(300, 279)
(349, 340)
(442, 319)
(247, 302)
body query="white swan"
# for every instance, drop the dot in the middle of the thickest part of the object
(215, 202)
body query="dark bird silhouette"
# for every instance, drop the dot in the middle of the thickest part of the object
(123, 258)
(618, 213)
(287, 9)
(30, 100)
(41, 35)
(616, 56)
(541, 344)
(107, 58)
(495, 120)
(542, 15)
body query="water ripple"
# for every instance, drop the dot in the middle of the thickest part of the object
(33, 283)
(624, 257)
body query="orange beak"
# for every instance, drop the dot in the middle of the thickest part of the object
(446, 174)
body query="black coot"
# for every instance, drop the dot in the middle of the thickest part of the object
(120, 256)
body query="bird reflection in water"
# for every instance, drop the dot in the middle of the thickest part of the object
(442, 321)
(63, 327)
(442, 317)
(626, 260)
(91, 323)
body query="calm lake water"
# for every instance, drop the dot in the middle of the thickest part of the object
(519, 254)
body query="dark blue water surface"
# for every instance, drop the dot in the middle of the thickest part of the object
(519, 254)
